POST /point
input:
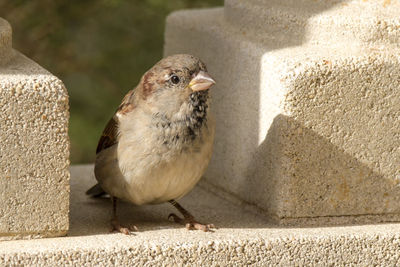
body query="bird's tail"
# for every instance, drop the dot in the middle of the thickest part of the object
(96, 191)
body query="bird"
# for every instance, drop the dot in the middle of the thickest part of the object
(159, 142)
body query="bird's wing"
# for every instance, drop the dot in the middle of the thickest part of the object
(109, 136)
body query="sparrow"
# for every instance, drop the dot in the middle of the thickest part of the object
(159, 142)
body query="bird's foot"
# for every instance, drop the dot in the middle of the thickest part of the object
(116, 227)
(191, 224)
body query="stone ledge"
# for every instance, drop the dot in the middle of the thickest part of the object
(243, 237)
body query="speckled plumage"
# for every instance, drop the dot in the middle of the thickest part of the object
(159, 142)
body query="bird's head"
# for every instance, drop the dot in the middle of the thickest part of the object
(171, 85)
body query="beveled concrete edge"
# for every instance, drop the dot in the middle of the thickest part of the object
(33, 235)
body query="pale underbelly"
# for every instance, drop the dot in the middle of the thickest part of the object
(136, 182)
(166, 182)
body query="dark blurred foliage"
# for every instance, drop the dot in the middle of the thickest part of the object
(99, 49)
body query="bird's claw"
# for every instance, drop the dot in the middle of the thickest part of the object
(116, 227)
(191, 224)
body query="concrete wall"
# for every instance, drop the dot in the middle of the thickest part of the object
(307, 105)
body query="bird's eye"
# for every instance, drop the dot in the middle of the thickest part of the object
(175, 79)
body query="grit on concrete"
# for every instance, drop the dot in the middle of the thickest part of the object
(243, 237)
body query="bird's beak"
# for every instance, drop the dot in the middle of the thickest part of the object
(202, 81)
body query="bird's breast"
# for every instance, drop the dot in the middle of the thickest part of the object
(163, 164)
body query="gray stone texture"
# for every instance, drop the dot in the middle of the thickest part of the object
(34, 147)
(307, 105)
(244, 237)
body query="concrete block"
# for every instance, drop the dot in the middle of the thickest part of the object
(34, 147)
(243, 237)
(307, 105)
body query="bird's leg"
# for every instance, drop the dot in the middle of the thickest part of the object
(115, 223)
(188, 219)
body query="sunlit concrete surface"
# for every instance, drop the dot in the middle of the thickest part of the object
(307, 105)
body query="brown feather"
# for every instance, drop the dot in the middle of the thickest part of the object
(127, 103)
(109, 136)
(148, 84)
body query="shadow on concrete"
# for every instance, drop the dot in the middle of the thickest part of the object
(288, 165)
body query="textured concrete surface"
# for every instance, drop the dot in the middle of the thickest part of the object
(243, 237)
(324, 22)
(307, 105)
(34, 148)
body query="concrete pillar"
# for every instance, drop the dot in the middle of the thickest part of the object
(34, 147)
(307, 104)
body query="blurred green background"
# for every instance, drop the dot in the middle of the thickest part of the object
(99, 48)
